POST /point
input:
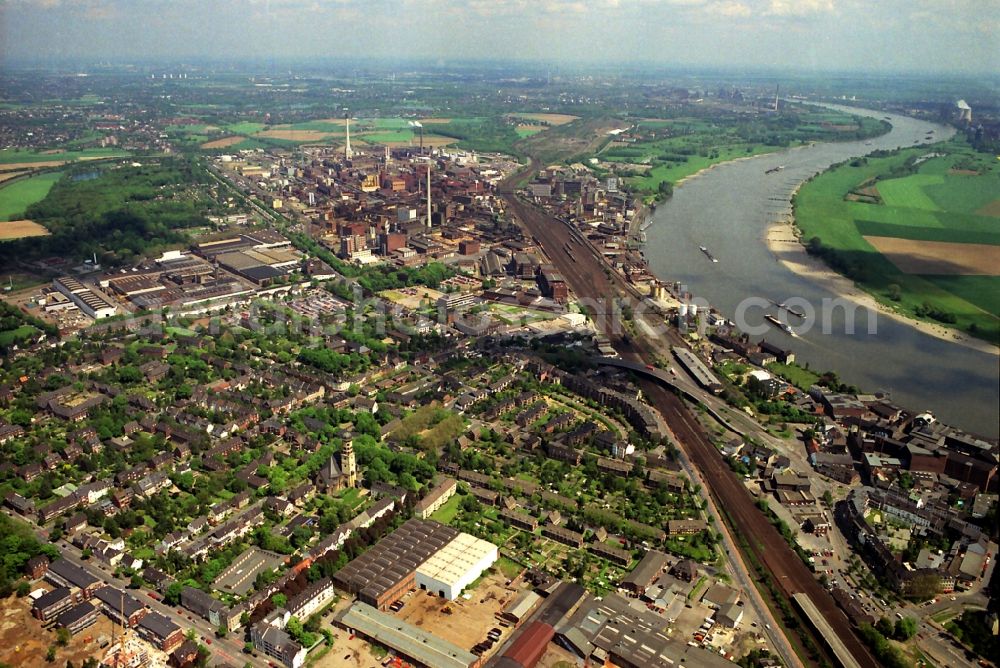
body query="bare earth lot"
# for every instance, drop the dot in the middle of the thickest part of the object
(21, 166)
(18, 229)
(224, 142)
(294, 135)
(552, 119)
(24, 642)
(348, 652)
(470, 620)
(939, 257)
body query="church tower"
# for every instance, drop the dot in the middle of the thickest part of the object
(348, 465)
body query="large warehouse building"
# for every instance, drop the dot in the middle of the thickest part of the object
(421, 553)
(456, 565)
(417, 645)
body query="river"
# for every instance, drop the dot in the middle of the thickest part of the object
(729, 209)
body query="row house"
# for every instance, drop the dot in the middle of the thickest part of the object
(558, 422)
(79, 617)
(129, 476)
(57, 508)
(581, 433)
(160, 631)
(8, 432)
(51, 604)
(564, 453)
(122, 608)
(519, 520)
(613, 554)
(63, 573)
(614, 466)
(533, 413)
(564, 536)
(19, 504)
(311, 599)
(685, 527)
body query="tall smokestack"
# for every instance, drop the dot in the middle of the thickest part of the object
(348, 153)
(428, 194)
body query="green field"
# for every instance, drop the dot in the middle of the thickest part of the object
(10, 155)
(674, 172)
(397, 136)
(923, 197)
(244, 128)
(446, 513)
(796, 375)
(19, 195)
(196, 129)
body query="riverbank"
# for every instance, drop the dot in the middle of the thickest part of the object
(783, 242)
(704, 170)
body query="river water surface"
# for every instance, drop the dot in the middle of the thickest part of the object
(729, 208)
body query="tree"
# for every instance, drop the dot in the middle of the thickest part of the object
(221, 631)
(135, 582)
(905, 628)
(50, 654)
(173, 594)
(23, 589)
(279, 600)
(63, 637)
(665, 190)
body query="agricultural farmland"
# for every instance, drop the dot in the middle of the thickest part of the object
(20, 229)
(17, 196)
(917, 228)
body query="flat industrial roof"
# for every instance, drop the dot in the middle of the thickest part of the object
(453, 561)
(409, 640)
(395, 557)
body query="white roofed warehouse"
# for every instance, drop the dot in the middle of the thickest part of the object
(456, 565)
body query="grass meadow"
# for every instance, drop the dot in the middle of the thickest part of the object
(17, 196)
(940, 198)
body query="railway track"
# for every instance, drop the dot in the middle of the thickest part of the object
(763, 541)
(588, 278)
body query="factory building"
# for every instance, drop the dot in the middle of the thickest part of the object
(415, 644)
(91, 301)
(455, 566)
(420, 553)
(388, 570)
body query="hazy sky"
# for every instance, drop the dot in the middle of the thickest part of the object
(886, 35)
